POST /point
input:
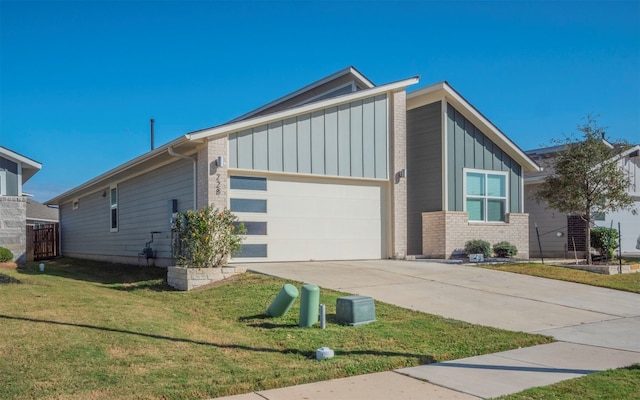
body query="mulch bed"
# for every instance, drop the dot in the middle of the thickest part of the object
(6, 279)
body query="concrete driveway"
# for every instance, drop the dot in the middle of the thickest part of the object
(567, 311)
(597, 328)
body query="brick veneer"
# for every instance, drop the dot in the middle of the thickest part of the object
(444, 233)
(399, 162)
(212, 180)
(13, 225)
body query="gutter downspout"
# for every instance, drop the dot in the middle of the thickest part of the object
(194, 160)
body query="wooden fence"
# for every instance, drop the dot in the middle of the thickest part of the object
(42, 242)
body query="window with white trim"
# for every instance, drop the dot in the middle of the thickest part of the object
(485, 195)
(3, 183)
(114, 208)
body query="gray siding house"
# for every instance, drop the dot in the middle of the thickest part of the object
(562, 235)
(15, 171)
(340, 169)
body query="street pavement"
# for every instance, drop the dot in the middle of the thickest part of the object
(595, 328)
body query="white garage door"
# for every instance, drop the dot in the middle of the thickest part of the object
(310, 218)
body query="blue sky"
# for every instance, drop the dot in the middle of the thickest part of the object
(79, 81)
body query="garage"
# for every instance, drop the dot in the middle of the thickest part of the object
(293, 218)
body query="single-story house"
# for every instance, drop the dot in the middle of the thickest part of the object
(15, 171)
(38, 214)
(340, 169)
(562, 235)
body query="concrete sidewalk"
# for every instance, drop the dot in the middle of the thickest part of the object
(597, 328)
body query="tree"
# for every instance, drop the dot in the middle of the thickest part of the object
(587, 179)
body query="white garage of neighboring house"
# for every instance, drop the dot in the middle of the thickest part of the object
(319, 174)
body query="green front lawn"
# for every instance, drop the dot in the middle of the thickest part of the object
(627, 282)
(623, 383)
(90, 330)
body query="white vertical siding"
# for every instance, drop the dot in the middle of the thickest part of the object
(344, 140)
(331, 141)
(289, 146)
(356, 139)
(304, 144)
(317, 143)
(260, 148)
(275, 147)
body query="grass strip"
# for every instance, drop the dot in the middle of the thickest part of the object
(626, 282)
(622, 383)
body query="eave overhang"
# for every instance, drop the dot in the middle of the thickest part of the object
(304, 109)
(444, 92)
(29, 167)
(357, 75)
(135, 167)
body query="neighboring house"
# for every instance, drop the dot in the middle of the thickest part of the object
(15, 170)
(562, 235)
(340, 169)
(39, 214)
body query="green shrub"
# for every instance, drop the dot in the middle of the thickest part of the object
(207, 237)
(504, 250)
(477, 246)
(605, 240)
(5, 254)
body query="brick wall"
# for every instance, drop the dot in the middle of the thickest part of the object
(217, 177)
(13, 225)
(399, 162)
(444, 233)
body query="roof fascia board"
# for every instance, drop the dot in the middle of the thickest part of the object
(304, 109)
(41, 219)
(19, 157)
(361, 77)
(434, 92)
(534, 179)
(335, 75)
(541, 178)
(629, 151)
(121, 168)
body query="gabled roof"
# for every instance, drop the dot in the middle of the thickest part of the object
(29, 167)
(545, 156)
(444, 91)
(239, 125)
(139, 165)
(187, 144)
(39, 212)
(315, 90)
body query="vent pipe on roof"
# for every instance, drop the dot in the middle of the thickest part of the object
(152, 134)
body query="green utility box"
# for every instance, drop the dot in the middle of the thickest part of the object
(283, 301)
(355, 310)
(309, 305)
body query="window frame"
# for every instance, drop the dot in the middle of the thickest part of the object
(3, 182)
(485, 197)
(113, 207)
